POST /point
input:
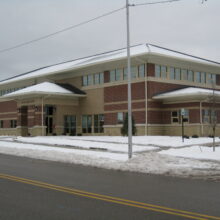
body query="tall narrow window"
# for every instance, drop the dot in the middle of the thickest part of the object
(98, 123)
(203, 77)
(90, 80)
(120, 117)
(101, 78)
(134, 71)
(175, 116)
(96, 78)
(141, 70)
(70, 124)
(172, 73)
(190, 75)
(198, 77)
(85, 80)
(87, 124)
(13, 123)
(125, 74)
(157, 71)
(118, 74)
(163, 71)
(112, 76)
(177, 74)
(184, 74)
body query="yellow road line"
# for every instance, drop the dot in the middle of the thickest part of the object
(111, 199)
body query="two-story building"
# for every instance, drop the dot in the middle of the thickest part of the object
(88, 96)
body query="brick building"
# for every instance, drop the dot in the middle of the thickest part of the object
(89, 95)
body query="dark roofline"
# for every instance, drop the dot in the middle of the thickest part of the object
(186, 54)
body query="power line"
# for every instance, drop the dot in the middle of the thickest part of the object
(60, 31)
(154, 3)
(83, 23)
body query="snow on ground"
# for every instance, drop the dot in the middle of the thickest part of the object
(97, 142)
(111, 142)
(185, 161)
(196, 152)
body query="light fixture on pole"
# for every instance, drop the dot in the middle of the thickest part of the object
(129, 83)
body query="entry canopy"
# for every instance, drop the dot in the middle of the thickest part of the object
(188, 94)
(45, 89)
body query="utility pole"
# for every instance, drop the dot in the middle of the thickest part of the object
(129, 83)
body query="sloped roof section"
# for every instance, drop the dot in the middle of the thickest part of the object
(44, 89)
(137, 50)
(71, 88)
(186, 93)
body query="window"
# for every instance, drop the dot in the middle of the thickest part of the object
(120, 117)
(177, 74)
(163, 71)
(184, 74)
(172, 73)
(211, 78)
(125, 74)
(203, 77)
(70, 124)
(101, 78)
(141, 70)
(198, 77)
(175, 116)
(85, 80)
(157, 71)
(13, 123)
(96, 79)
(87, 124)
(90, 81)
(112, 75)
(186, 115)
(134, 71)
(205, 114)
(98, 123)
(191, 75)
(118, 74)
(1, 124)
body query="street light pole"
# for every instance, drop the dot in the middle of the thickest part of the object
(129, 84)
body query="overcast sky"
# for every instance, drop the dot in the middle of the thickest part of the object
(188, 26)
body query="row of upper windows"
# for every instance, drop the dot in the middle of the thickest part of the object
(6, 91)
(184, 74)
(115, 75)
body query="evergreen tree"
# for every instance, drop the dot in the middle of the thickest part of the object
(124, 129)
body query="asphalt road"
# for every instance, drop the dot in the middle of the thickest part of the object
(133, 195)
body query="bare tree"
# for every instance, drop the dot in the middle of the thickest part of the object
(213, 114)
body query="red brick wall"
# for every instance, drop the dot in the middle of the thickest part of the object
(110, 118)
(151, 69)
(106, 76)
(155, 88)
(194, 116)
(10, 106)
(139, 117)
(119, 93)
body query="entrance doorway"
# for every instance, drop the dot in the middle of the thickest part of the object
(49, 120)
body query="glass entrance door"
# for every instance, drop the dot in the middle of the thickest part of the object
(49, 120)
